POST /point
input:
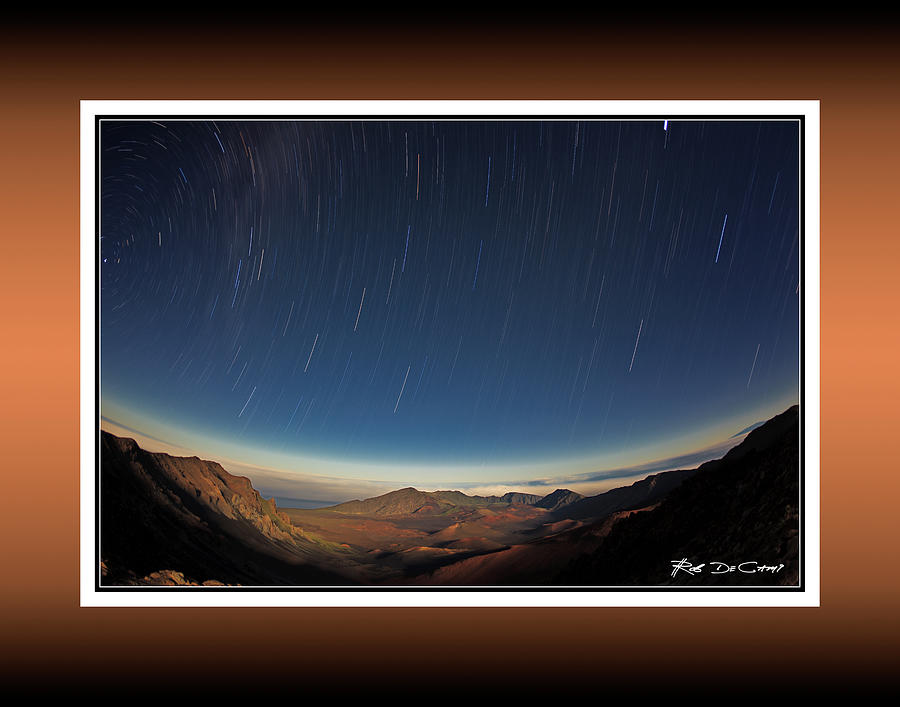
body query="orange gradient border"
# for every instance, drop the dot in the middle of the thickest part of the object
(852, 640)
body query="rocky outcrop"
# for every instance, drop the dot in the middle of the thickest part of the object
(195, 518)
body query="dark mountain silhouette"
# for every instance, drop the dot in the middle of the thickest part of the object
(743, 507)
(558, 499)
(653, 488)
(187, 516)
(638, 495)
(749, 428)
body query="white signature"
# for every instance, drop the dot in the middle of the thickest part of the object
(723, 567)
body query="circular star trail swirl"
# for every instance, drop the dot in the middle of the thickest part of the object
(448, 291)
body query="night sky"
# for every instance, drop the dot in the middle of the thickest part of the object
(443, 293)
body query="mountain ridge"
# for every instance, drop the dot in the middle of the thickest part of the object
(411, 500)
(743, 507)
(188, 515)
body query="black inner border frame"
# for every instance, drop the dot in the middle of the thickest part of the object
(801, 120)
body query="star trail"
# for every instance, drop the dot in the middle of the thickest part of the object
(448, 291)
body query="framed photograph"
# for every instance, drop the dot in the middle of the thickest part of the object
(450, 353)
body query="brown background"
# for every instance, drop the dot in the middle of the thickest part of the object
(850, 64)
